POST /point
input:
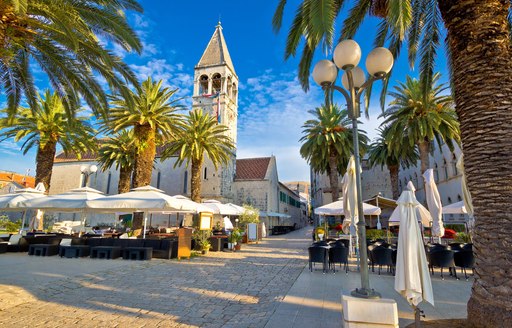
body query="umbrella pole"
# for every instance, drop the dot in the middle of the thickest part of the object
(417, 316)
(23, 218)
(145, 222)
(82, 224)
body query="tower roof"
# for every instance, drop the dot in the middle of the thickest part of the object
(216, 53)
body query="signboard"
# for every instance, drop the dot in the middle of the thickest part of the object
(205, 221)
(252, 232)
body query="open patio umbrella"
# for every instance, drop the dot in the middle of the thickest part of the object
(143, 199)
(11, 202)
(466, 195)
(74, 200)
(412, 277)
(455, 208)
(189, 203)
(219, 208)
(238, 208)
(336, 208)
(434, 203)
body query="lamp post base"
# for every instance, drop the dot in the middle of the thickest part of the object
(365, 293)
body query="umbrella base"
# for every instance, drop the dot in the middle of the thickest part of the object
(365, 293)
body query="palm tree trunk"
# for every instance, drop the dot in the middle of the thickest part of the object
(424, 148)
(333, 177)
(478, 39)
(44, 159)
(393, 175)
(195, 181)
(125, 174)
(145, 156)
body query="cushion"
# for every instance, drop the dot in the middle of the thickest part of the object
(14, 239)
(65, 242)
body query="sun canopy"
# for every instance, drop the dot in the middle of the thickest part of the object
(189, 203)
(71, 201)
(143, 199)
(274, 214)
(10, 202)
(455, 208)
(218, 208)
(336, 208)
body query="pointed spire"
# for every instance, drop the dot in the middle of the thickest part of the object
(216, 53)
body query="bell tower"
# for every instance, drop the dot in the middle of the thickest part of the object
(216, 92)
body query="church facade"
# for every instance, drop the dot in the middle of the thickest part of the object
(251, 181)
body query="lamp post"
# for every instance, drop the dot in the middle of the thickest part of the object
(236, 223)
(378, 63)
(87, 170)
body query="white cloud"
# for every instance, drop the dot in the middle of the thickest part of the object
(172, 75)
(273, 108)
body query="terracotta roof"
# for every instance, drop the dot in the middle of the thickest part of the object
(216, 53)
(252, 168)
(24, 180)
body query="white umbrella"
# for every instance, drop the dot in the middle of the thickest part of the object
(228, 225)
(336, 208)
(455, 208)
(74, 200)
(218, 208)
(11, 202)
(238, 208)
(434, 203)
(412, 278)
(189, 203)
(350, 194)
(466, 195)
(143, 199)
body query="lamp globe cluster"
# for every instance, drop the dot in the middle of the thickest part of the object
(347, 55)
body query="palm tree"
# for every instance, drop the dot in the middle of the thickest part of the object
(480, 57)
(153, 118)
(327, 143)
(379, 153)
(200, 136)
(64, 40)
(421, 117)
(119, 150)
(45, 126)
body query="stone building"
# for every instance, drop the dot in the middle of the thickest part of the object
(251, 181)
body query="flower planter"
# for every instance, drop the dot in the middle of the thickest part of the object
(238, 247)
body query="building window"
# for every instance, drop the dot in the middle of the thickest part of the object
(82, 180)
(449, 200)
(185, 182)
(416, 180)
(158, 180)
(234, 92)
(436, 172)
(216, 83)
(108, 182)
(454, 165)
(459, 199)
(205, 173)
(230, 87)
(203, 85)
(445, 169)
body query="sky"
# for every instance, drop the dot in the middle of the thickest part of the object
(272, 105)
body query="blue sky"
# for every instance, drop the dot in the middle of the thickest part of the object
(272, 105)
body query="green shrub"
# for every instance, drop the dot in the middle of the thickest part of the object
(250, 215)
(8, 225)
(374, 234)
(462, 237)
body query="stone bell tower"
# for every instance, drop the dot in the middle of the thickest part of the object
(216, 92)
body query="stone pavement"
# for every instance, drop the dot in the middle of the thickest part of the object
(264, 285)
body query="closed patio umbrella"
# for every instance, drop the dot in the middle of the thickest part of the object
(422, 214)
(412, 277)
(434, 203)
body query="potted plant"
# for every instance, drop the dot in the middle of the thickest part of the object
(235, 239)
(205, 246)
(232, 238)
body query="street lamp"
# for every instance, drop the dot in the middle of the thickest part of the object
(378, 64)
(87, 170)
